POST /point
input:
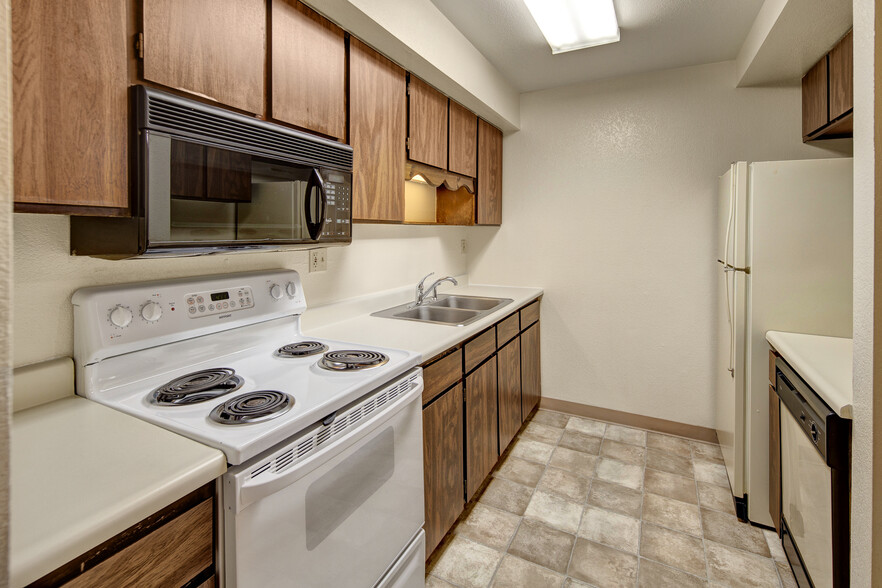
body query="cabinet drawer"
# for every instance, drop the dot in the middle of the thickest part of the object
(169, 556)
(507, 329)
(529, 314)
(438, 376)
(479, 349)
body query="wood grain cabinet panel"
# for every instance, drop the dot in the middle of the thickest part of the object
(70, 106)
(509, 392)
(814, 98)
(212, 48)
(529, 314)
(463, 141)
(489, 201)
(377, 129)
(427, 124)
(441, 374)
(309, 70)
(479, 348)
(841, 72)
(169, 556)
(531, 382)
(507, 329)
(482, 438)
(443, 464)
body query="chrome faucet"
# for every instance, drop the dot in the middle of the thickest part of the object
(423, 295)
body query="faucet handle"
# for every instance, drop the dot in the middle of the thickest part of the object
(423, 281)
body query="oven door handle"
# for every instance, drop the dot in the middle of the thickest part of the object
(315, 226)
(251, 490)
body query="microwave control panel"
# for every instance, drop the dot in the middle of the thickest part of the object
(338, 205)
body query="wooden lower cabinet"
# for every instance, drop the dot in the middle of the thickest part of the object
(173, 547)
(531, 382)
(482, 438)
(509, 392)
(473, 407)
(443, 464)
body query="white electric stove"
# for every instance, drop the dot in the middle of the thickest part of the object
(323, 437)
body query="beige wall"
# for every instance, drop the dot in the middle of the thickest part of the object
(610, 205)
(380, 257)
(862, 507)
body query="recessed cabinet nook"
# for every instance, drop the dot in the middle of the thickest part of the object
(476, 397)
(74, 63)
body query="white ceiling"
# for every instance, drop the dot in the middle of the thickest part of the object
(656, 35)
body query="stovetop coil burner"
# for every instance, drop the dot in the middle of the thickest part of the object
(252, 407)
(302, 349)
(197, 387)
(351, 360)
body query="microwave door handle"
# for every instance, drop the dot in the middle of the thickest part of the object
(315, 226)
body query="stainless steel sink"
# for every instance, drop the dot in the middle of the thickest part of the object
(471, 302)
(446, 310)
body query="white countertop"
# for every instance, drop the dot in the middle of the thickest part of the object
(81, 472)
(825, 363)
(351, 320)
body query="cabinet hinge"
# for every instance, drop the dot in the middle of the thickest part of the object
(407, 144)
(139, 45)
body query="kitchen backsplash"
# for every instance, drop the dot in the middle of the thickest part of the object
(380, 257)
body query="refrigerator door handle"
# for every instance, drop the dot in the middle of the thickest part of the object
(727, 267)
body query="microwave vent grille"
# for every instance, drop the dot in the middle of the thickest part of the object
(186, 119)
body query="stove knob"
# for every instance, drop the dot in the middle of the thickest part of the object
(276, 292)
(291, 289)
(151, 312)
(120, 316)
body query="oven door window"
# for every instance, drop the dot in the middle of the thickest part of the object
(199, 193)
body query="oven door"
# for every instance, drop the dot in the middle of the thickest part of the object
(199, 195)
(342, 517)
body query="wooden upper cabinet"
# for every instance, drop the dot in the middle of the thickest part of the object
(309, 70)
(212, 48)
(814, 98)
(427, 124)
(463, 141)
(489, 174)
(70, 106)
(377, 129)
(841, 73)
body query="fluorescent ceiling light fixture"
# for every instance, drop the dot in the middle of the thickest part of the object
(575, 24)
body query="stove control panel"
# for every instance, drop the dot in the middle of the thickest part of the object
(219, 301)
(113, 320)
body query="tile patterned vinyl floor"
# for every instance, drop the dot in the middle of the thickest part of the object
(579, 502)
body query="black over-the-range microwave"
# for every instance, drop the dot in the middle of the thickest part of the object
(207, 180)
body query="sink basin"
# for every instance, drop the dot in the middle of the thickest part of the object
(446, 310)
(437, 314)
(469, 302)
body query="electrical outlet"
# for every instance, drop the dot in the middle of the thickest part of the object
(463, 246)
(318, 260)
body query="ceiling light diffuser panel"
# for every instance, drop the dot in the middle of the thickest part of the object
(569, 25)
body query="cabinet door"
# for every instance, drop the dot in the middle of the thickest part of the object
(531, 381)
(814, 98)
(463, 147)
(377, 129)
(482, 449)
(308, 66)
(489, 174)
(212, 48)
(427, 124)
(509, 358)
(442, 464)
(841, 72)
(70, 107)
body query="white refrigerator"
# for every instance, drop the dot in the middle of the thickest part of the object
(785, 264)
